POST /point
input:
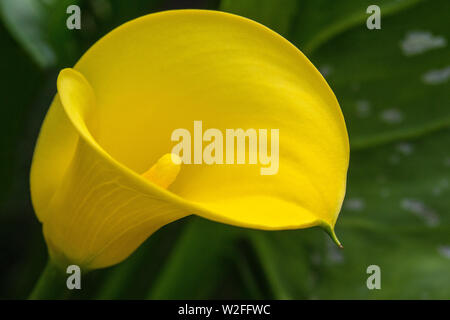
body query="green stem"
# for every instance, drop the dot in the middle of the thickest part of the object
(268, 262)
(51, 284)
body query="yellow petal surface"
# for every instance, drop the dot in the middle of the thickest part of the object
(100, 180)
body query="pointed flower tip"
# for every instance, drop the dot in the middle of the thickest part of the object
(330, 230)
(164, 172)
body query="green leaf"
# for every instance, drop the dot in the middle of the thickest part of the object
(40, 27)
(392, 83)
(396, 216)
(320, 20)
(198, 262)
(25, 19)
(277, 15)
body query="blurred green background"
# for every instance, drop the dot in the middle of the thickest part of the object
(393, 86)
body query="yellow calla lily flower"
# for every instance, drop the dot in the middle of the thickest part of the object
(103, 178)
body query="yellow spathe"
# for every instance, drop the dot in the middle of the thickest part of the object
(114, 113)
